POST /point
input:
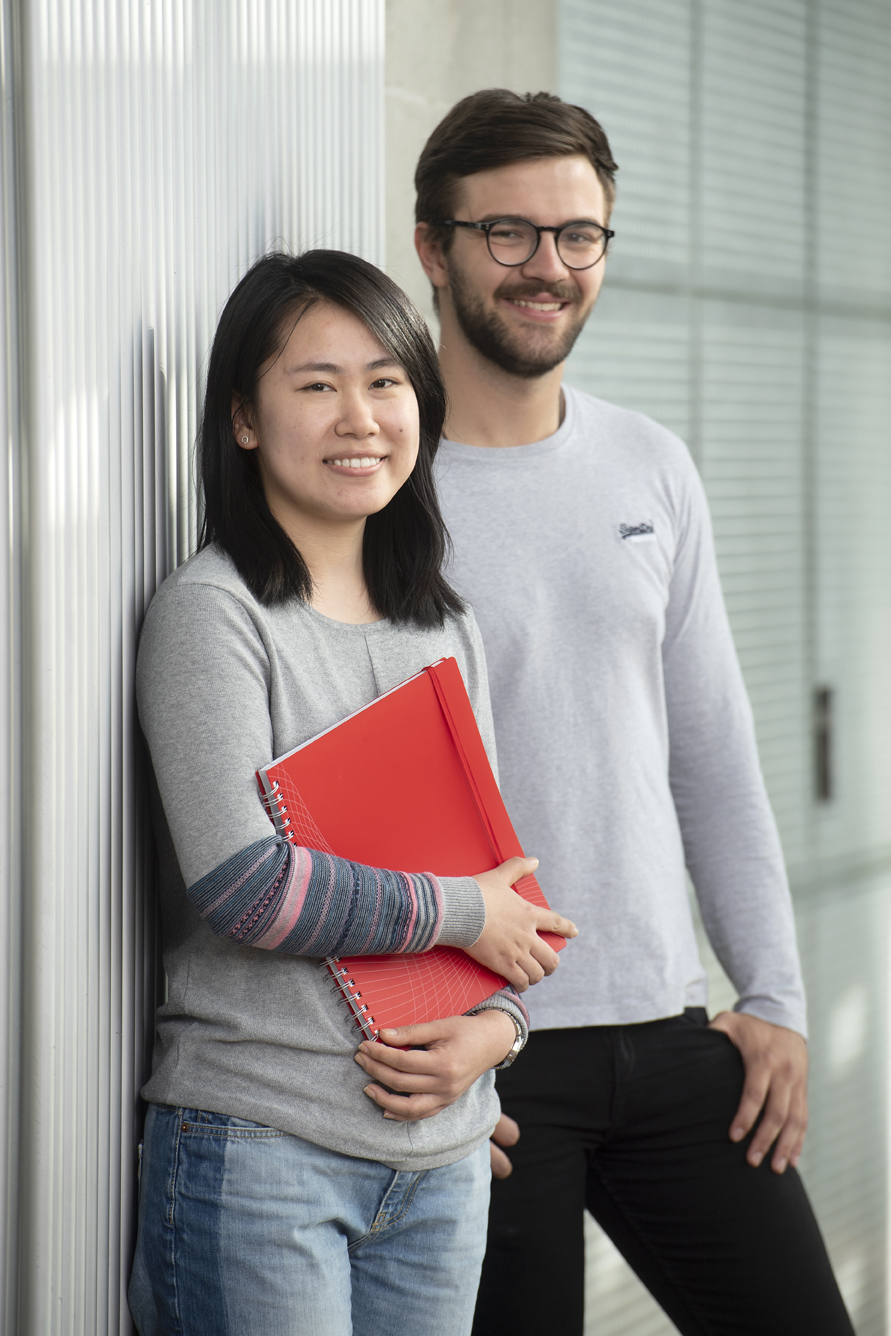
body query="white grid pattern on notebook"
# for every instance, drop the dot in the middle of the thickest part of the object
(418, 988)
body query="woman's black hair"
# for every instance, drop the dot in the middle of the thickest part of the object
(405, 543)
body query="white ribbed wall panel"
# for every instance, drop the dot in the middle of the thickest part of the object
(10, 699)
(161, 145)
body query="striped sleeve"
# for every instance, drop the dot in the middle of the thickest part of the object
(281, 897)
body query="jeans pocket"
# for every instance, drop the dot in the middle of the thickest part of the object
(198, 1122)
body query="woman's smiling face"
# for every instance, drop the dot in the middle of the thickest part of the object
(334, 424)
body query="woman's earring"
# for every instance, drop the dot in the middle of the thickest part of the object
(244, 440)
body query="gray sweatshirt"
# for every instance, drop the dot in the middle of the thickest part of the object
(224, 685)
(625, 737)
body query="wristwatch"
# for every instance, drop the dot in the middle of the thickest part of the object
(515, 1046)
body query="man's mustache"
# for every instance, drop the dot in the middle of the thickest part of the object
(528, 290)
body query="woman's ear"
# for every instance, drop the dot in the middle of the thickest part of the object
(242, 428)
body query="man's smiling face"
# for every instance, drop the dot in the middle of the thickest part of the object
(526, 318)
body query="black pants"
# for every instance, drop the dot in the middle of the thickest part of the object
(632, 1121)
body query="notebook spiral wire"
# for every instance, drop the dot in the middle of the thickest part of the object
(277, 810)
(343, 985)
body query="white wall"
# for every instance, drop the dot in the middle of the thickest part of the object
(150, 149)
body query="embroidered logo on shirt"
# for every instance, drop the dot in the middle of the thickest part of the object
(637, 533)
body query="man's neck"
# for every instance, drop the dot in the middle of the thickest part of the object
(489, 406)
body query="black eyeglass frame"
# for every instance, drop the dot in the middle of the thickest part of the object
(486, 228)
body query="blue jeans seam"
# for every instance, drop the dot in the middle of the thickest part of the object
(174, 1171)
(376, 1228)
(406, 1203)
(171, 1219)
(190, 1129)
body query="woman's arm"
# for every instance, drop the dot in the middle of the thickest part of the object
(203, 696)
(282, 897)
(203, 682)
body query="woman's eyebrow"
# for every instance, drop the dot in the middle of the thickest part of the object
(332, 369)
(313, 366)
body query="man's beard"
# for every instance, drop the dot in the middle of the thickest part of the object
(531, 354)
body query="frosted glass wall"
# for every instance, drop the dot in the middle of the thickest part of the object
(150, 150)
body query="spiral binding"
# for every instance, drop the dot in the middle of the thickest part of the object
(277, 809)
(345, 985)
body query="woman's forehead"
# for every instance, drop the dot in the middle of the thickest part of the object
(328, 333)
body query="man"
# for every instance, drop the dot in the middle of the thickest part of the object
(626, 751)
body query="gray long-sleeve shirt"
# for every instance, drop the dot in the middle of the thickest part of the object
(223, 686)
(625, 738)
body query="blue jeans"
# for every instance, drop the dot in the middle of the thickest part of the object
(247, 1231)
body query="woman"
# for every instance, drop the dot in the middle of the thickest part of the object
(290, 1181)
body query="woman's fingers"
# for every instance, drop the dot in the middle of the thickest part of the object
(545, 955)
(515, 975)
(410, 1082)
(404, 1108)
(464, 1048)
(532, 968)
(514, 869)
(401, 1070)
(510, 944)
(563, 927)
(416, 1036)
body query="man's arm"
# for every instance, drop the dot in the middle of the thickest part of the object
(731, 843)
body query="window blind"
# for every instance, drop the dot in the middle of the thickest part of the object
(747, 305)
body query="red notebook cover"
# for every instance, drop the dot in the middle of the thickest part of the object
(404, 783)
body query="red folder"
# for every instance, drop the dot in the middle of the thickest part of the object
(404, 783)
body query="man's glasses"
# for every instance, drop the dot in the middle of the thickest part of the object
(513, 241)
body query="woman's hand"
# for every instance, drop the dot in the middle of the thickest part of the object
(453, 1054)
(509, 944)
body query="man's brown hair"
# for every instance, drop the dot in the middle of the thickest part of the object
(495, 127)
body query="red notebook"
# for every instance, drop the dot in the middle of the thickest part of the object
(404, 783)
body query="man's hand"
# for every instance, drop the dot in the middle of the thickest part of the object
(509, 944)
(444, 1058)
(507, 1133)
(775, 1062)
